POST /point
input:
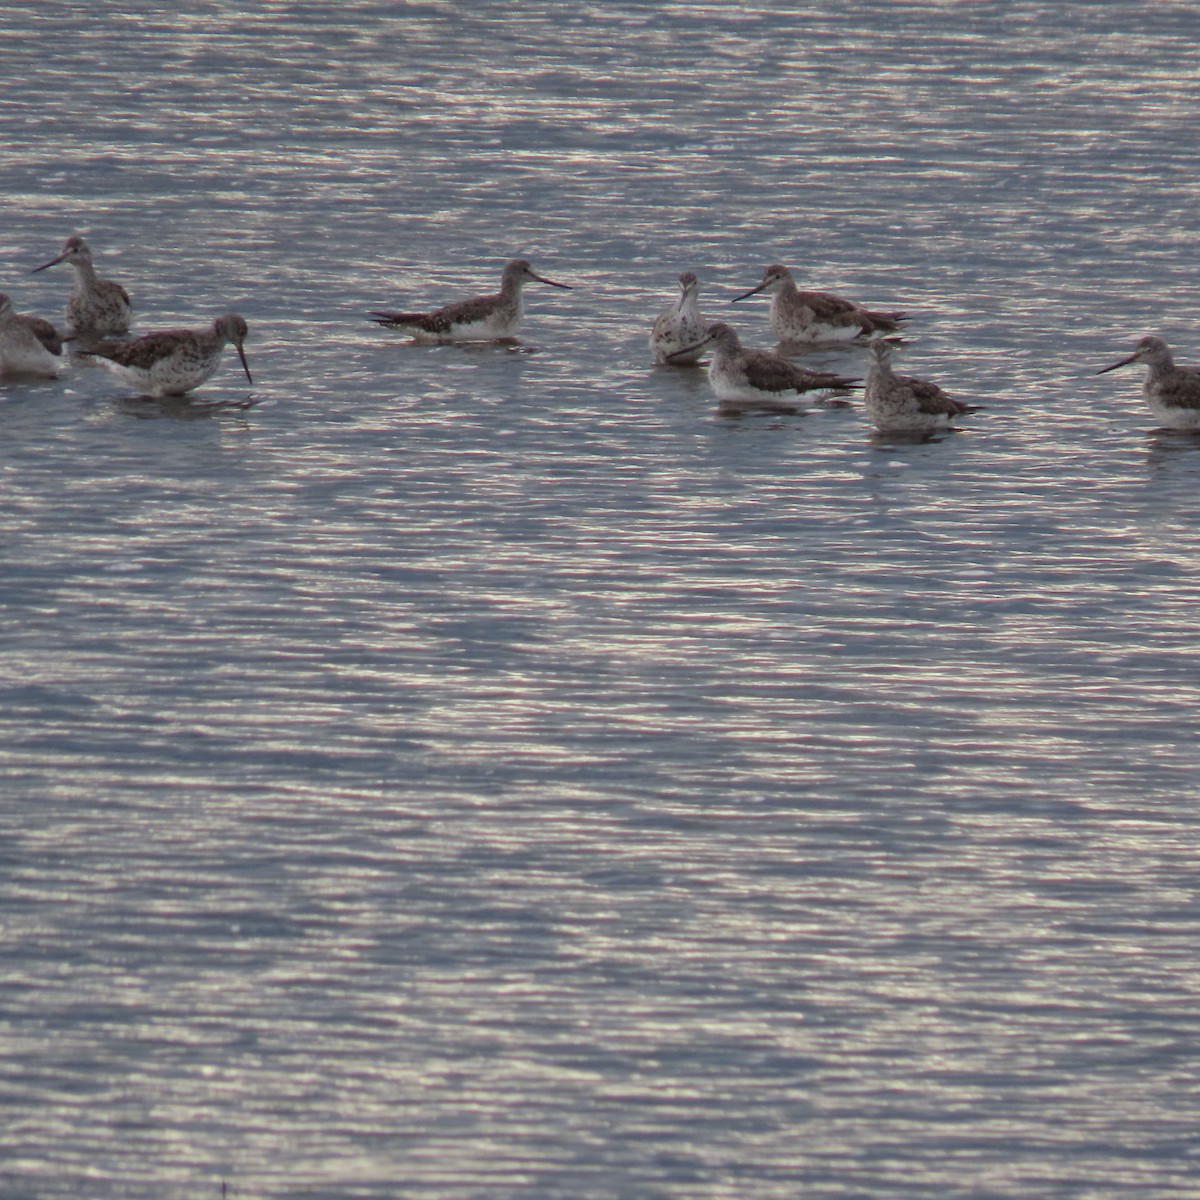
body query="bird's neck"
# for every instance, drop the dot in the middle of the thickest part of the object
(510, 288)
(84, 270)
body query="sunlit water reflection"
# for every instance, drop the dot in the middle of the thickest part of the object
(456, 772)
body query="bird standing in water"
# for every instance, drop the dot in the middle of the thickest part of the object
(173, 361)
(480, 319)
(679, 330)
(744, 379)
(44, 331)
(903, 404)
(808, 318)
(22, 351)
(96, 307)
(1172, 393)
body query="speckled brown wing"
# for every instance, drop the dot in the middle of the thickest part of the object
(931, 399)
(144, 351)
(835, 310)
(770, 373)
(813, 380)
(397, 320)
(43, 331)
(828, 307)
(463, 313)
(441, 320)
(882, 322)
(120, 291)
(775, 374)
(1181, 390)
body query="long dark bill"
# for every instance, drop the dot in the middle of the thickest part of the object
(52, 263)
(245, 364)
(747, 295)
(1124, 362)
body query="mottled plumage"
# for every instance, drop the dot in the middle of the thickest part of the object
(96, 307)
(680, 329)
(1173, 393)
(902, 404)
(44, 331)
(481, 319)
(22, 351)
(173, 361)
(814, 317)
(747, 379)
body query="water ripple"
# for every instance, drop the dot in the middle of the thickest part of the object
(465, 772)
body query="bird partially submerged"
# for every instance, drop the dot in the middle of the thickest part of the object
(1172, 393)
(679, 330)
(173, 361)
(744, 379)
(45, 332)
(809, 318)
(23, 344)
(902, 403)
(480, 319)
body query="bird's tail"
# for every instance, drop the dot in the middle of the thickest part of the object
(397, 320)
(886, 322)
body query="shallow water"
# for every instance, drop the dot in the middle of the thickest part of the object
(468, 772)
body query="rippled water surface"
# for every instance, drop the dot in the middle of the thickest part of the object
(489, 772)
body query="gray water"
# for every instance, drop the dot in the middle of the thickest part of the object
(478, 772)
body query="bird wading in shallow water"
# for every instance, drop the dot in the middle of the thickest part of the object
(903, 404)
(96, 307)
(481, 319)
(1172, 393)
(680, 329)
(22, 350)
(173, 361)
(744, 379)
(811, 318)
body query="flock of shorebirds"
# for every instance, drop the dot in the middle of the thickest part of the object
(895, 404)
(99, 313)
(172, 362)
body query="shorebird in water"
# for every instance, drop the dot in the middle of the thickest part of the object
(44, 331)
(680, 329)
(173, 361)
(744, 379)
(481, 319)
(902, 404)
(22, 350)
(96, 307)
(1173, 393)
(809, 318)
